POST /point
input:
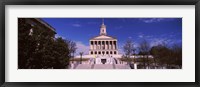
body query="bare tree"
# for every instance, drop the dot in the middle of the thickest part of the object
(129, 48)
(72, 48)
(155, 51)
(177, 55)
(162, 54)
(144, 48)
(81, 54)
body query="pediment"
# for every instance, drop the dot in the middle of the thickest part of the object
(102, 37)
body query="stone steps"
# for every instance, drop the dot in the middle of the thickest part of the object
(122, 66)
(84, 66)
(103, 66)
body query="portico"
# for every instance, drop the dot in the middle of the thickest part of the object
(103, 44)
(103, 47)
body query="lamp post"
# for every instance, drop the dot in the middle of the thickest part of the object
(134, 60)
(81, 54)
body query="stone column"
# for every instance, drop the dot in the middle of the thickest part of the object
(98, 45)
(90, 45)
(101, 44)
(108, 45)
(116, 45)
(113, 45)
(94, 45)
(104, 44)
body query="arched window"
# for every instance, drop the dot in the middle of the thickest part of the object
(103, 52)
(110, 52)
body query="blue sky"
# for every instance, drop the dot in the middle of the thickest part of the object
(154, 30)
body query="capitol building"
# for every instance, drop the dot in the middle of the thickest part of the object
(103, 53)
(103, 48)
(103, 45)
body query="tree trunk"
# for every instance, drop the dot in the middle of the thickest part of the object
(154, 62)
(144, 62)
(147, 61)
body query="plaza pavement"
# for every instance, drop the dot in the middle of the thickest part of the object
(103, 66)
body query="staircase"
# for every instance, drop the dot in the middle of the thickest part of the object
(84, 66)
(113, 65)
(103, 66)
(122, 66)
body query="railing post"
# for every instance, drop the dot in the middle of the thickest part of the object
(135, 66)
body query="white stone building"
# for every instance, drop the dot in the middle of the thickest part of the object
(103, 45)
(104, 49)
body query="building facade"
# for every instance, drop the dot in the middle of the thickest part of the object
(103, 45)
(32, 22)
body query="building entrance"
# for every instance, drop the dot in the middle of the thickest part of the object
(103, 61)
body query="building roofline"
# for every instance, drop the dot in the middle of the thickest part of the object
(102, 35)
(45, 24)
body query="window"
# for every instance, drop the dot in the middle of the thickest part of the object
(106, 42)
(110, 42)
(95, 42)
(99, 42)
(91, 42)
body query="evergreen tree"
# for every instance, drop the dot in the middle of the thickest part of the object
(39, 49)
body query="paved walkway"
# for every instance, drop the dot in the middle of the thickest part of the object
(91, 65)
(103, 66)
(84, 66)
(122, 66)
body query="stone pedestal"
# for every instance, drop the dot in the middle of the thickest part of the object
(107, 60)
